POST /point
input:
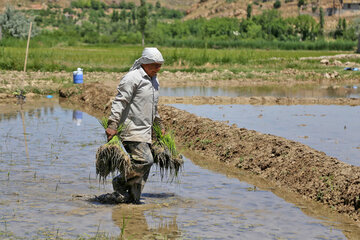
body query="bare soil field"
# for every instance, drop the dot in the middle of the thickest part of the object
(40, 82)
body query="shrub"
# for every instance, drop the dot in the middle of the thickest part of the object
(16, 24)
(277, 4)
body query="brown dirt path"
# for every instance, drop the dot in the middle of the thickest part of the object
(45, 82)
(288, 164)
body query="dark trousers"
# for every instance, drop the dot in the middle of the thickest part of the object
(134, 182)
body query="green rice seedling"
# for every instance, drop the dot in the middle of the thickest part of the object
(112, 157)
(166, 157)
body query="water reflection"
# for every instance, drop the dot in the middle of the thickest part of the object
(275, 91)
(28, 110)
(24, 130)
(77, 117)
(133, 224)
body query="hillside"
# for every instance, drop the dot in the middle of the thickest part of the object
(237, 8)
(218, 8)
(174, 4)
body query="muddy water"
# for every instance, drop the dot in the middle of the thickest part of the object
(332, 129)
(47, 171)
(348, 91)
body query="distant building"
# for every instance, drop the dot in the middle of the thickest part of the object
(343, 6)
(351, 4)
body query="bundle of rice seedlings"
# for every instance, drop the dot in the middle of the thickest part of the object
(112, 156)
(165, 155)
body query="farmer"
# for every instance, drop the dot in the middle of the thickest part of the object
(135, 106)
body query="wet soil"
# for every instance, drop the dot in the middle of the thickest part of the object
(39, 82)
(266, 100)
(287, 164)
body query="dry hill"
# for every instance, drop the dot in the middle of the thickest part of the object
(221, 8)
(237, 8)
(174, 4)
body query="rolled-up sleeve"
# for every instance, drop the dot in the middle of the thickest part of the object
(126, 89)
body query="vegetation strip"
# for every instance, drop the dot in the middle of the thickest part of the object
(94, 22)
(288, 164)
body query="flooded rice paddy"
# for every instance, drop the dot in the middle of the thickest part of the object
(47, 157)
(346, 91)
(332, 129)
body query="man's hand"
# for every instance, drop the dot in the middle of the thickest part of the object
(110, 133)
(163, 131)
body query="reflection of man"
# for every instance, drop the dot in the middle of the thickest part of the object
(137, 226)
(77, 117)
(135, 106)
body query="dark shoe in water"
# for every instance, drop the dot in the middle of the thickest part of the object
(113, 198)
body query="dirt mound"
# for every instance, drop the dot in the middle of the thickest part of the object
(267, 100)
(288, 164)
(95, 96)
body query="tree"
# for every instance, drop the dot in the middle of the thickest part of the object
(249, 11)
(277, 4)
(142, 21)
(300, 4)
(321, 21)
(339, 32)
(95, 4)
(344, 25)
(15, 24)
(123, 14)
(357, 31)
(307, 27)
(158, 5)
(133, 16)
(115, 16)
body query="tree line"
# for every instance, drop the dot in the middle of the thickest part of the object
(88, 21)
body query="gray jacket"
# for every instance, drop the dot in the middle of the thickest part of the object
(135, 106)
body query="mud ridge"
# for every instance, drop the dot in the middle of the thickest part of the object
(288, 164)
(259, 100)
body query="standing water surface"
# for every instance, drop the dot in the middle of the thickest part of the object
(348, 91)
(47, 165)
(332, 129)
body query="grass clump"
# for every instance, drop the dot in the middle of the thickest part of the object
(166, 157)
(112, 157)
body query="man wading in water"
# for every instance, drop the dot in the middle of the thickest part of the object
(135, 106)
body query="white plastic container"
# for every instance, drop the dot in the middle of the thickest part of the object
(78, 76)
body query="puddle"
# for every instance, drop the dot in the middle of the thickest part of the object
(332, 129)
(41, 178)
(275, 91)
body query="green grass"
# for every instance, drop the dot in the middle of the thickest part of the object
(263, 44)
(115, 139)
(166, 140)
(120, 58)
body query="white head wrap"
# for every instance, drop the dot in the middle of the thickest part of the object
(149, 55)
